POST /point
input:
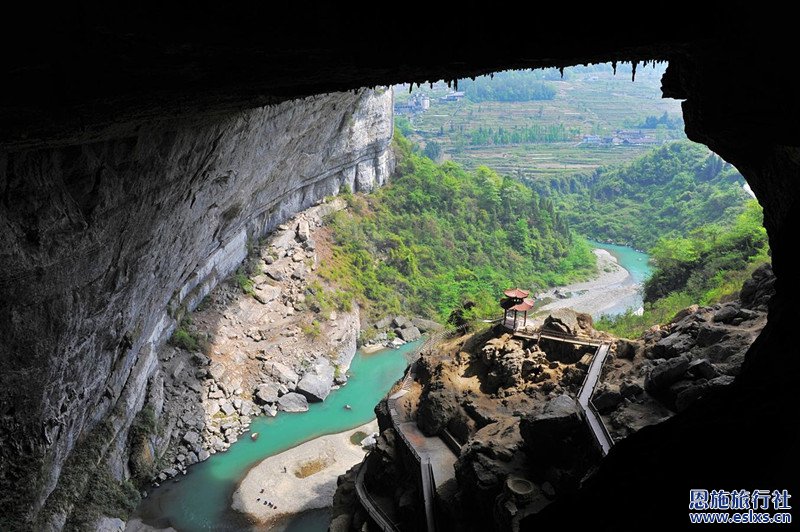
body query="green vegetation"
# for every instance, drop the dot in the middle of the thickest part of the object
(706, 267)
(439, 234)
(312, 330)
(509, 86)
(244, 282)
(186, 338)
(668, 192)
(521, 135)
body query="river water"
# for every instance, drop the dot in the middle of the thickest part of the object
(201, 499)
(638, 265)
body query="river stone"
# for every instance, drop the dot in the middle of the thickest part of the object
(317, 383)
(266, 392)
(203, 455)
(293, 402)
(409, 334)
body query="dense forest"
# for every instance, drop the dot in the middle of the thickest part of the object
(438, 235)
(668, 192)
(707, 266)
(509, 86)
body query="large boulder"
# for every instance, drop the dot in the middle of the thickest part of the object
(293, 402)
(673, 345)
(566, 320)
(607, 401)
(283, 373)
(665, 374)
(266, 393)
(628, 349)
(759, 289)
(409, 334)
(401, 321)
(316, 384)
(727, 313)
(425, 325)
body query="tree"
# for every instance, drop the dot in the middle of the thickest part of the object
(433, 150)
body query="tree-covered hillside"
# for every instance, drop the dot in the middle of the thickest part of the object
(438, 234)
(707, 266)
(668, 192)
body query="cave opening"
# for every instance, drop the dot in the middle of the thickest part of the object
(73, 333)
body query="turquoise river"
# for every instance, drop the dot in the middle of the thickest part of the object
(638, 265)
(201, 499)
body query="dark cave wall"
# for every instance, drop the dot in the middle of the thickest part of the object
(104, 244)
(75, 243)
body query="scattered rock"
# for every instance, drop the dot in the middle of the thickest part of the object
(759, 289)
(607, 401)
(665, 374)
(217, 371)
(629, 389)
(203, 455)
(293, 402)
(303, 231)
(702, 368)
(275, 273)
(673, 345)
(227, 408)
(299, 273)
(628, 349)
(191, 437)
(265, 294)
(727, 313)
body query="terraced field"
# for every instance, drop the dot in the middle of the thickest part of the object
(590, 101)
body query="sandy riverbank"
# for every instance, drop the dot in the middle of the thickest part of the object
(322, 460)
(612, 285)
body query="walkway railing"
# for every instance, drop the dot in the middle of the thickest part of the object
(386, 523)
(598, 428)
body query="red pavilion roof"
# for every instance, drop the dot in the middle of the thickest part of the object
(525, 306)
(517, 293)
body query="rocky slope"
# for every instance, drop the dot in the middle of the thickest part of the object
(258, 344)
(509, 406)
(671, 366)
(108, 244)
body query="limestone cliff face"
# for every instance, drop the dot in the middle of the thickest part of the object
(105, 244)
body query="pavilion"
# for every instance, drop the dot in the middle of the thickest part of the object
(516, 301)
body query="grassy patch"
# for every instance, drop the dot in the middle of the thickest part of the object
(312, 330)
(309, 467)
(244, 282)
(357, 437)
